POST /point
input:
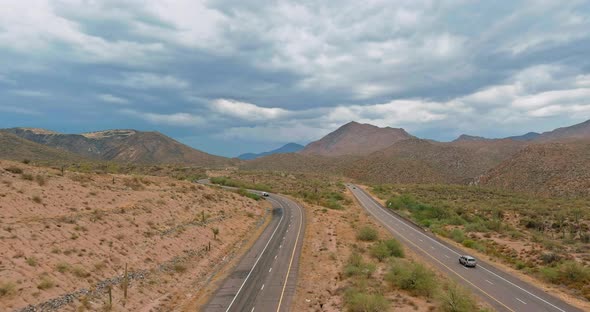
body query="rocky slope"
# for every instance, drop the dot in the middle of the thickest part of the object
(16, 148)
(123, 146)
(61, 235)
(558, 169)
(575, 132)
(356, 139)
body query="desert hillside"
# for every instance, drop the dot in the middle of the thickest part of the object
(355, 139)
(559, 169)
(67, 238)
(16, 148)
(122, 146)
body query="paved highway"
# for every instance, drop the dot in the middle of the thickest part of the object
(502, 290)
(266, 276)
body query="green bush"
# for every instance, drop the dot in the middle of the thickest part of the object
(456, 299)
(358, 301)
(413, 277)
(388, 248)
(248, 194)
(367, 234)
(357, 267)
(457, 235)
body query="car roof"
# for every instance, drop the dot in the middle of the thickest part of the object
(468, 257)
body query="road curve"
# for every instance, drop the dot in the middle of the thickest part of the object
(500, 289)
(266, 276)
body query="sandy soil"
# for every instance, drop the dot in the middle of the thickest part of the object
(60, 234)
(329, 237)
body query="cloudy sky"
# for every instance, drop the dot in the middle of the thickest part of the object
(244, 76)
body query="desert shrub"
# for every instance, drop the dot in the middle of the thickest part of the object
(62, 267)
(358, 301)
(367, 234)
(7, 288)
(388, 248)
(14, 169)
(79, 272)
(27, 176)
(32, 261)
(456, 299)
(549, 274)
(45, 283)
(37, 199)
(550, 257)
(574, 272)
(41, 180)
(413, 277)
(179, 268)
(26, 161)
(457, 235)
(251, 195)
(357, 267)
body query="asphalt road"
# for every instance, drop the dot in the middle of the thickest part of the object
(500, 289)
(266, 276)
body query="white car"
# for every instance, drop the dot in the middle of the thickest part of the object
(265, 194)
(468, 261)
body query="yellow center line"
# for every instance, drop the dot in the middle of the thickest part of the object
(291, 261)
(435, 259)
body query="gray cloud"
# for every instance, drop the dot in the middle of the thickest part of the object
(266, 71)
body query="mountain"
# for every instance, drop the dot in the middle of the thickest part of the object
(356, 139)
(575, 132)
(557, 169)
(14, 147)
(129, 146)
(465, 137)
(525, 137)
(287, 148)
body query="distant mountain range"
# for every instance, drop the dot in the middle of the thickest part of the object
(387, 155)
(287, 148)
(128, 146)
(554, 162)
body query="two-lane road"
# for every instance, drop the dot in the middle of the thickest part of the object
(502, 290)
(265, 278)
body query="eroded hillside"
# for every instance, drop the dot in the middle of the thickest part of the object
(74, 234)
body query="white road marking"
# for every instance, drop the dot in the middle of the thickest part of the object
(252, 309)
(276, 257)
(521, 301)
(432, 247)
(254, 266)
(281, 246)
(447, 257)
(262, 287)
(490, 282)
(269, 270)
(420, 239)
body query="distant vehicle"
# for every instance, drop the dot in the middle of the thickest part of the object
(468, 261)
(265, 194)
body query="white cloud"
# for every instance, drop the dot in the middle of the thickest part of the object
(30, 93)
(247, 111)
(144, 80)
(113, 99)
(175, 119)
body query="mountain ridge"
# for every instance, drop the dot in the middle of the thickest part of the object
(287, 148)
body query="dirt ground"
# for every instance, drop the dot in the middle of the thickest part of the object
(74, 234)
(329, 239)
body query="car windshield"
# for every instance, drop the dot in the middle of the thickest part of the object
(471, 260)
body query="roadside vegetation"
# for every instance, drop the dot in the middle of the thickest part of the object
(377, 268)
(545, 237)
(313, 189)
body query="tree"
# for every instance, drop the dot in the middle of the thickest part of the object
(215, 232)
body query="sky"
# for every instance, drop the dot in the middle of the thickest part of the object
(229, 77)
